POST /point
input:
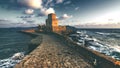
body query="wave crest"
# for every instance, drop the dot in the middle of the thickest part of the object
(11, 61)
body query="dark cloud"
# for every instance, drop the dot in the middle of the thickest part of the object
(59, 1)
(26, 16)
(2, 20)
(10, 4)
(40, 15)
(77, 8)
(28, 20)
(29, 6)
(67, 2)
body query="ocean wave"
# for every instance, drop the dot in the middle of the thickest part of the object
(11, 61)
(116, 47)
(103, 42)
(101, 33)
(108, 50)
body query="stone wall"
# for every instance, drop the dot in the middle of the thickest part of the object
(30, 30)
(59, 29)
(53, 53)
(95, 58)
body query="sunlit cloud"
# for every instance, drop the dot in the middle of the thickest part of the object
(46, 11)
(36, 4)
(29, 11)
(65, 16)
(59, 1)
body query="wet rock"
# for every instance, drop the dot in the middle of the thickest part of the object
(18, 56)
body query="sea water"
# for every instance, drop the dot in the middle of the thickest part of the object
(109, 41)
(13, 46)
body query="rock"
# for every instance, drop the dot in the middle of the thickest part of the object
(18, 56)
(48, 63)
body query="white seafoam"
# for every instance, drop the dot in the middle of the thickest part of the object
(11, 61)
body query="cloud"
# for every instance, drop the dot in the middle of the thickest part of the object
(4, 20)
(29, 11)
(65, 16)
(52, 4)
(19, 4)
(43, 5)
(4, 23)
(10, 23)
(48, 2)
(36, 4)
(68, 2)
(77, 8)
(40, 15)
(28, 20)
(26, 24)
(45, 11)
(27, 16)
(59, 1)
(94, 25)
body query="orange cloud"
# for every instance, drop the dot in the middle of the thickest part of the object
(36, 4)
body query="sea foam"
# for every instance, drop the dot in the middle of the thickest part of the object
(11, 61)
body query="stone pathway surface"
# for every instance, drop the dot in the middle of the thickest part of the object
(53, 53)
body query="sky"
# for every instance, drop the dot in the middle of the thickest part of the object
(26, 13)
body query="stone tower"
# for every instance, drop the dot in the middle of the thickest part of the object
(53, 19)
(52, 22)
